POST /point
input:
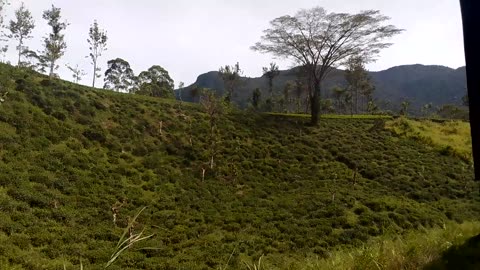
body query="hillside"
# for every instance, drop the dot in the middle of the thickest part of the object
(417, 83)
(70, 154)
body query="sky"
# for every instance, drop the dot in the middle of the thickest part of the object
(189, 37)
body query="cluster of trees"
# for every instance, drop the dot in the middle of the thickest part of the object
(119, 76)
(354, 98)
(155, 81)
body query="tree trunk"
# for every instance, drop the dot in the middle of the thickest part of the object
(94, 73)
(19, 53)
(315, 105)
(52, 66)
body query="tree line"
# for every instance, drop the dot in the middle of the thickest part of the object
(118, 77)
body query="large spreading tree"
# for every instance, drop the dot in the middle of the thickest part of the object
(320, 41)
(119, 76)
(155, 82)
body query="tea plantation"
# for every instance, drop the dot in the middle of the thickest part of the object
(76, 164)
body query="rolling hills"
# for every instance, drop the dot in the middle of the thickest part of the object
(418, 84)
(76, 164)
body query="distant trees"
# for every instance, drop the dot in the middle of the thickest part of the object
(54, 43)
(231, 76)
(359, 84)
(119, 76)
(97, 40)
(320, 41)
(21, 29)
(155, 82)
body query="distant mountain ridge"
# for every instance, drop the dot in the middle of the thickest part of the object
(419, 84)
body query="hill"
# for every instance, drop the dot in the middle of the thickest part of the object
(78, 163)
(419, 84)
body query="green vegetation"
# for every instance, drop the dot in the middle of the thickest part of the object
(78, 164)
(450, 137)
(415, 250)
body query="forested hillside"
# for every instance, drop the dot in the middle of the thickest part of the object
(417, 84)
(77, 164)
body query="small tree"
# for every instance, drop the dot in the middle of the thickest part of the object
(77, 73)
(256, 98)
(270, 74)
(287, 89)
(320, 41)
(214, 109)
(339, 99)
(231, 79)
(21, 29)
(181, 85)
(119, 76)
(97, 40)
(404, 110)
(54, 43)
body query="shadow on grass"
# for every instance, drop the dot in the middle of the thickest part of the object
(463, 257)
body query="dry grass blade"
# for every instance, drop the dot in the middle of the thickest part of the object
(126, 243)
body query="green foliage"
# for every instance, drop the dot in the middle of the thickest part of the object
(71, 153)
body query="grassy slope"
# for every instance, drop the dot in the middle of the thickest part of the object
(68, 153)
(449, 136)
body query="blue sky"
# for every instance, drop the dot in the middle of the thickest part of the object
(192, 37)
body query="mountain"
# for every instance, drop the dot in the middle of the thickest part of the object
(77, 164)
(418, 84)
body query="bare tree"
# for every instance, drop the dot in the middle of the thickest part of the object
(77, 73)
(214, 109)
(321, 41)
(21, 29)
(97, 39)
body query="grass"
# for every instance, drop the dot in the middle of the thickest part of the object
(448, 136)
(334, 116)
(425, 249)
(279, 188)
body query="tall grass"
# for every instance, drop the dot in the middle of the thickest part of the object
(415, 250)
(450, 136)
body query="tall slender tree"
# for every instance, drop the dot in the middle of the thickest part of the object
(270, 74)
(359, 83)
(97, 40)
(321, 41)
(54, 44)
(231, 79)
(21, 29)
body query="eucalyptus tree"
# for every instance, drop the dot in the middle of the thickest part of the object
(21, 29)
(97, 40)
(54, 43)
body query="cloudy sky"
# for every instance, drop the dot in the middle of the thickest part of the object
(190, 37)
